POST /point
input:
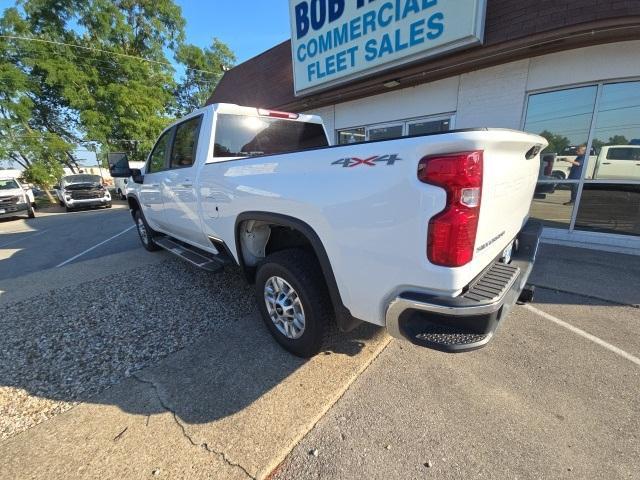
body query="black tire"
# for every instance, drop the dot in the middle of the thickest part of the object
(302, 271)
(68, 209)
(109, 205)
(31, 213)
(61, 203)
(147, 241)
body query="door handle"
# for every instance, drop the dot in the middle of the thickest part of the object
(154, 185)
(186, 185)
(606, 163)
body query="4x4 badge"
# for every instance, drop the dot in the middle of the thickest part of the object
(370, 162)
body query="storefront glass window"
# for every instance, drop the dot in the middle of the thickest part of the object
(616, 140)
(599, 189)
(427, 127)
(610, 208)
(422, 126)
(351, 135)
(385, 133)
(564, 119)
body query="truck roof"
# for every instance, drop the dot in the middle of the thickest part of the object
(233, 109)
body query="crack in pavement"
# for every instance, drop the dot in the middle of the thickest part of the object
(185, 434)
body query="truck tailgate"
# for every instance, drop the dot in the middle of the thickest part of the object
(509, 181)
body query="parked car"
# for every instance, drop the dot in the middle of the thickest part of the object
(81, 191)
(428, 236)
(16, 198)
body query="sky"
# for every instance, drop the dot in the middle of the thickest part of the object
(249, 27)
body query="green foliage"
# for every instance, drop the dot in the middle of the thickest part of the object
(196, 86)
(43, 173)
(557, 143)
(84, 83)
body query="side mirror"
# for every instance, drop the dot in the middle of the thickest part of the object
(136, 175)
(118, 165)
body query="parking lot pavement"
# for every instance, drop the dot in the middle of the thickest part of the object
(554, 395)
(540, 402)
(600, 275)
(55, 237)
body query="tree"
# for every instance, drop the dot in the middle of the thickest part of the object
(557, 143)
(95, 73)
(44, 173)
(196, 86)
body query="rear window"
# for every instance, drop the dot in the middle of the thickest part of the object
(244, 136)
(623, 153)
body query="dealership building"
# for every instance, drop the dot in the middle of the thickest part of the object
(566, 69)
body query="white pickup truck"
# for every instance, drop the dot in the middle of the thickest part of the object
(613, 162)
(15, 198)
(427, 235)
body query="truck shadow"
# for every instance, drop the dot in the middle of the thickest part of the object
(195, 338)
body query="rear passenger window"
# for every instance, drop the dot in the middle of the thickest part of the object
(159, 153)
(245, 136)
(185, 143)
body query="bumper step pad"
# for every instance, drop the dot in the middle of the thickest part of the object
(451, 339)
(493, 283)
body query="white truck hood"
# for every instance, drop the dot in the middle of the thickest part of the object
(14, 192)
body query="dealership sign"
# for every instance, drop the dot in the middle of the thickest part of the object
(334, 41)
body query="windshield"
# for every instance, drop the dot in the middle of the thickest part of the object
(243, 136)
(8, 184)
(70, 179)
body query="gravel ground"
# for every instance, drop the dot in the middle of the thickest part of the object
(64, 347)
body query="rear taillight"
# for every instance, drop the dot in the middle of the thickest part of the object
(452, 232)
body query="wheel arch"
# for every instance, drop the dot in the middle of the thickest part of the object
(346, 322)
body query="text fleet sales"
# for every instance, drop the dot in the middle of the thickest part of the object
(330, 53)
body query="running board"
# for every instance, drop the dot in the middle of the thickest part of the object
(201, 259)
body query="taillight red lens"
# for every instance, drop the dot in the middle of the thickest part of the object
(452, 232)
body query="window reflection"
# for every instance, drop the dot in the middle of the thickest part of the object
(610, 208)
(351, 135)
(428, 127)
(550, 205)
(385, 133)
(564, 119)
(617, 135)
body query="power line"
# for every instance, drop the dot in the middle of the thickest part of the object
(94, 49)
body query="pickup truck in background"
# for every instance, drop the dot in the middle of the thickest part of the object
(427, 236)
(16, 198)
(82, 191)
(612, 162)
(120, 184)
